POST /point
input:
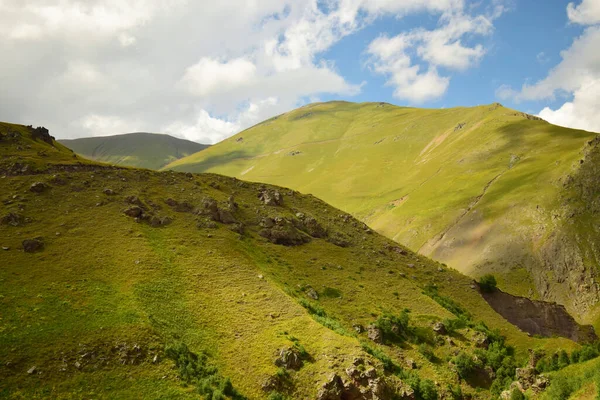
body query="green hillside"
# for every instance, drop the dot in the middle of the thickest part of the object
(125, 283)
(484, 189)
(140, 149)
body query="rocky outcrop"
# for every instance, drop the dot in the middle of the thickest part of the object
(362, 381)
(289, 358)
(12, 219)
(270, 197)
(282, 231)
(539, 317)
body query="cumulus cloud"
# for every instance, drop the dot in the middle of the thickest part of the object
(398, 57)
(202, 72)
(586, 13)
(576, 76)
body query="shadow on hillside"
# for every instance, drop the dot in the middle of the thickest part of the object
(212, 161)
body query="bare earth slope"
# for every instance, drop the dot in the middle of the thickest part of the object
(481, 189)
(140, 149)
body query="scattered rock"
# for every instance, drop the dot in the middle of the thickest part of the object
(32, 370)
(109, 192)
(133, 200)
(282, 231)
(339, 239)
(33, 245)
(12, 219)
(289, 358)
(481, 340)
(5, 248)
(332, 389)
(358, 328)
(375, 334)
(38, 187)
(312, 227)
(134, 211)
(312, 293)
(270, 197)
(439, 328)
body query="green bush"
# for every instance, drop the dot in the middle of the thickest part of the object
(427, 352)
(394, 328)
(465, 364)
(427, 390)
(516, 394)
(487, 283)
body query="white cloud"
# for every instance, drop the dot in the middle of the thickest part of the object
(581, 113)
(209, 76)
(586, 13)
(576, 76)
(442, 47)
(200, 70)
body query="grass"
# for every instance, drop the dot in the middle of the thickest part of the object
(481, 199)
(96, 309)
(142, 150)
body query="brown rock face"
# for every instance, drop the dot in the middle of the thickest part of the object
(539, 317)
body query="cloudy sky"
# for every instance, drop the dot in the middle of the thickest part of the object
(204, 70)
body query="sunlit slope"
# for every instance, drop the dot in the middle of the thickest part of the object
(477, 188)
(134, 264)
(140, 149)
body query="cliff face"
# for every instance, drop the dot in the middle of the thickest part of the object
(571, 254)
(539, 317)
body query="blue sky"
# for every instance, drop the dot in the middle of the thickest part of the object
(526, 43)
(205, 71)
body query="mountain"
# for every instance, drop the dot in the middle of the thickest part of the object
(483, 189)
(140, 149)
(126, 283)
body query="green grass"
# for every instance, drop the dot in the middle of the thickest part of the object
(96, 309)
(142, 150)
(486, 198)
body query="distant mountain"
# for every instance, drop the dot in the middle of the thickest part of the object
(483, 189)
(140, 149)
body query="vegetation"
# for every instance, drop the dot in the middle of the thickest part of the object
(497, 169)
(176, 303)
(487, 283)
(142, 150)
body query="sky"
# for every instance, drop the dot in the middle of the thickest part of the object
(205, 70)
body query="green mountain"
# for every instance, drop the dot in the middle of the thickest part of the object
(140, 149)
(125, 283)
(484, 189)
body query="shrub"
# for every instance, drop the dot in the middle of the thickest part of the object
(427, 390)
(465, 364)
(427, 352)
(487, 283)
(587, 353)
(394, 328)
(516, 394)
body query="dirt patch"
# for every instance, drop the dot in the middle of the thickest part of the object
(539, 317)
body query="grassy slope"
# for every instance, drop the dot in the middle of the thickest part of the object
(104, 280)
(481, 197)
(142, 150)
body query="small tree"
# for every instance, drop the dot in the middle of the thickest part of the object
(488, 283)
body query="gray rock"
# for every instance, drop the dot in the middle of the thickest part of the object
(38, 187)
(32, 370)
(439, 328)
(312, 293)
(33, 245)
(332, 389)
(375, 334)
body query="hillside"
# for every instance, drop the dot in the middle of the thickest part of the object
(125, 283)
(484, 189)
(140, 149)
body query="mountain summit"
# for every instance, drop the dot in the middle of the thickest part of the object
(483, 189)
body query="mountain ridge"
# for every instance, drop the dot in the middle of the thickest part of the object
(452, 183)
(136, 149)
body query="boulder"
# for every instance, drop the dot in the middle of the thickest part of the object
(12, 219)
(109, 192)
(134, 211)
(38, 187)
(33, 245)
(312, 293)
(283, 232)
(270, 197)
(289, 358)
(439, 328)
(312, 227)
(332, 389)
(375, 334)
